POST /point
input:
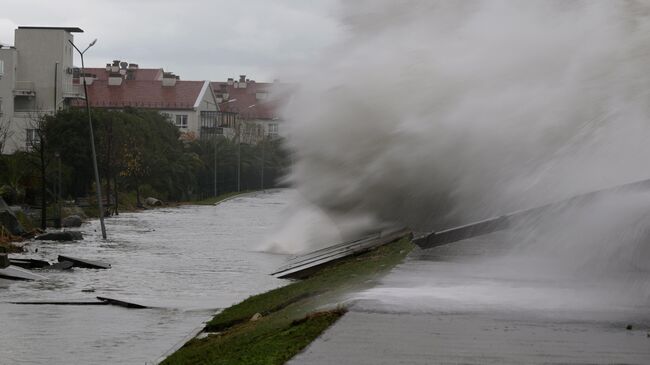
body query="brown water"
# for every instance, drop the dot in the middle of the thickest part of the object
(186, 262)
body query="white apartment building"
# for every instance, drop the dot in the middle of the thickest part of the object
(35, 79)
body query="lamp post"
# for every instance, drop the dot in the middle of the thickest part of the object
(92, 137)
(216, 191)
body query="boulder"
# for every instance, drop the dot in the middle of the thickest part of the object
(256, 317)
(73, 210)
(61, 236)
(152, 202)
(71, 221)
(8, 219)
(4, 261)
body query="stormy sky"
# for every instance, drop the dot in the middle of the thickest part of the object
(196, 39)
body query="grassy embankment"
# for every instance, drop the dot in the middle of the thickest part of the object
(222, 197)
(128, 203)
(291, 316)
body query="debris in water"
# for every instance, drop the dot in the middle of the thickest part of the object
(121, 303)
(83, 263)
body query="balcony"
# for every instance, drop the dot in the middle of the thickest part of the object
(73, 91)
(25, 88)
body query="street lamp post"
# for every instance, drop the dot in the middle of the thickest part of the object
(239, 156)
(92, 137)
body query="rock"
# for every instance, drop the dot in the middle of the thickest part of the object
(8, 219)
(61, 236)
(71, 221)
(4, 260)
(73, 210)
(152, 202)
(256, 317)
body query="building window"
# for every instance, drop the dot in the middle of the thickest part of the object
(273, 129)
(181, 121)
(32, 138)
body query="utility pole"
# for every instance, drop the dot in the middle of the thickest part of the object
(43, 199)
(262, 170)
(216, 192)
(239, 156)
(92, 138)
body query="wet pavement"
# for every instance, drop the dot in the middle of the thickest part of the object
(481, 302)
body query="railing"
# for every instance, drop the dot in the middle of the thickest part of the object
(25, 88)
(73, 91)
(31, 114)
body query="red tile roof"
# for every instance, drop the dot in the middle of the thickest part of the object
(244, 100)
(144, 74)
(143, 94)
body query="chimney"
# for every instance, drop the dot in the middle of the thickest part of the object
(115, 67)
(242, 81)
(230, 81)
(108, 67)
(169, 79)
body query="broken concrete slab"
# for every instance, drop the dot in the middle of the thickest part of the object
(303, 266)
(62, 303)
(438, 238)
(28, 263)
(121, 303)
(17, 273)
(63, 265)
(83, 263)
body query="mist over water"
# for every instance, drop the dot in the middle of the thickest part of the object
(435, 113)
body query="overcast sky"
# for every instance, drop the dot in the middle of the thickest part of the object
(196, 39)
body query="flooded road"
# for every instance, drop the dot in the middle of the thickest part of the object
(185, 262)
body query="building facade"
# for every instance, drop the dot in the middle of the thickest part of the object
(257, 104)
(122, 85)
(37, 75)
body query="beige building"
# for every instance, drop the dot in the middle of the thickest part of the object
(36, 79)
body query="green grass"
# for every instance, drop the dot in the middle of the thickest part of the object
(292, 316)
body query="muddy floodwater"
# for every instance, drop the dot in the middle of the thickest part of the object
(185, 262)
